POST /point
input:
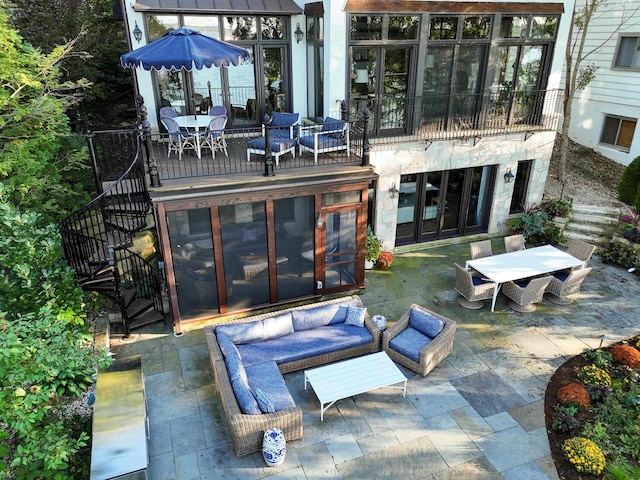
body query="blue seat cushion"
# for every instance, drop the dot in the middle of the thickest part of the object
(409, 342)
(278, 144)
(279, 119)
(562, 275)
(304, 344)
(479, 281)
(324, 142)
(320, 316)
(225, 343)
(424, 323)
(257, 331)
(244, 396)
(266, 377)
(331, 124)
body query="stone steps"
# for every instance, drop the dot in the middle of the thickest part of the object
(591, 223)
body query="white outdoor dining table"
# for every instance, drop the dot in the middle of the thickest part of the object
(195, 123)
(521, 264)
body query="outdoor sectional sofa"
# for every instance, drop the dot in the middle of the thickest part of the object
(269, 345)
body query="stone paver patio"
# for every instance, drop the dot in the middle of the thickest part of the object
(478, 415)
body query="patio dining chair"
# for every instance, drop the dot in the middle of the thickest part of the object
(581, 250)
(420, 339)
(564, 284)
(472, 289)
(513, 243)
(524, 294)
(332, 137)
(480, 249)
(179, 141)
(168, 112)
(217, 111)
(283, 137)
(213, 138)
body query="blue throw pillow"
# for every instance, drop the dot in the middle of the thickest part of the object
(264, 402)
(355, 316)
(332, 124)
(425, 323)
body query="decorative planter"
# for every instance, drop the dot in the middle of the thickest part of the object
(368, 264)
(274, 447)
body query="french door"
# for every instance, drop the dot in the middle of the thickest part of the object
(381, 80)
(443, 204)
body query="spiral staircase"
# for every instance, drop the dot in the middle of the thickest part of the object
(96, 238)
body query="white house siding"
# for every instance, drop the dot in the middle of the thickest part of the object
(613, 91)
(505, 151)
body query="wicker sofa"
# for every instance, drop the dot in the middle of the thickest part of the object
(327, 344)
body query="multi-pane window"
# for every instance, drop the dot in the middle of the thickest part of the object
(628, 53)
(618, 131)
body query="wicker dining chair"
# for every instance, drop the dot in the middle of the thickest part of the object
(564, 284)
(480, 249)
(581, 250)
(523, 297)
(472, 289)
(513, 243)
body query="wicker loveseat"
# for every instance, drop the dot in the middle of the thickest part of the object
(328, 341)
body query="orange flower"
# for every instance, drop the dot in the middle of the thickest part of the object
(627, 355)
(574, 392)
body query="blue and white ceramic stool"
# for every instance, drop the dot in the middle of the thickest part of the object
(274, 447)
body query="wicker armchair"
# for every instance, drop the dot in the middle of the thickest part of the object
(564, 284)
(524, 298)
(430, 355)
(480, 249)
(513, 243)
(472, 289)
(581, 250)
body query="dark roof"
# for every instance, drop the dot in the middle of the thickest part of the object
(234, 7)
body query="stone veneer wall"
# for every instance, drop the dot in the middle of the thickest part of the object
(392, 161)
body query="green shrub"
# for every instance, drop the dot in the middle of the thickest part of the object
(618, 253)
(558, 207)
(629, 183)
(599, 357)
(535, 226)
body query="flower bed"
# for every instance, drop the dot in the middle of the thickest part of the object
(592, 407)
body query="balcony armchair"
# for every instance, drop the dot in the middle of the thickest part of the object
(179, 141)
(472, 289)
(564, 284)
(333, 137)
(420, 339)
(525, 294)
(213, 138)
(283, 136)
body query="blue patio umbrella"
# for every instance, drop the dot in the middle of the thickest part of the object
(185, 49)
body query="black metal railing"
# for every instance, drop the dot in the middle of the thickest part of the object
(134, 272)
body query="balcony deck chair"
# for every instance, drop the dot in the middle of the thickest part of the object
(283, 137)
(523, 295)
(513, 243)
(179, 141)
(333, 137)
(564, 284)
(213, 138)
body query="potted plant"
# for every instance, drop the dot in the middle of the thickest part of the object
(374, 247)
(385, 259)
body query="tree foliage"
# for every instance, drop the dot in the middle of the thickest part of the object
(41, 164)
(629, 186)
(98, 33)
(46, 349)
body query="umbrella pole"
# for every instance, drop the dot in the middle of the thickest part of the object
(195, 110)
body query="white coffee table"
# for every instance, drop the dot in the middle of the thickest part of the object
(352, 377)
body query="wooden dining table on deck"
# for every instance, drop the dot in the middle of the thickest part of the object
(531, 262)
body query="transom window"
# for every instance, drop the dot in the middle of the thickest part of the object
(627, 54)
(528, 26)
(384, 27)
(618, 132)
(454, 28)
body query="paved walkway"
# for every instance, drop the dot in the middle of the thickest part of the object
(479, 415)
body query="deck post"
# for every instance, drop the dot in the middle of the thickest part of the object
(366, 114)
(268, 156)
